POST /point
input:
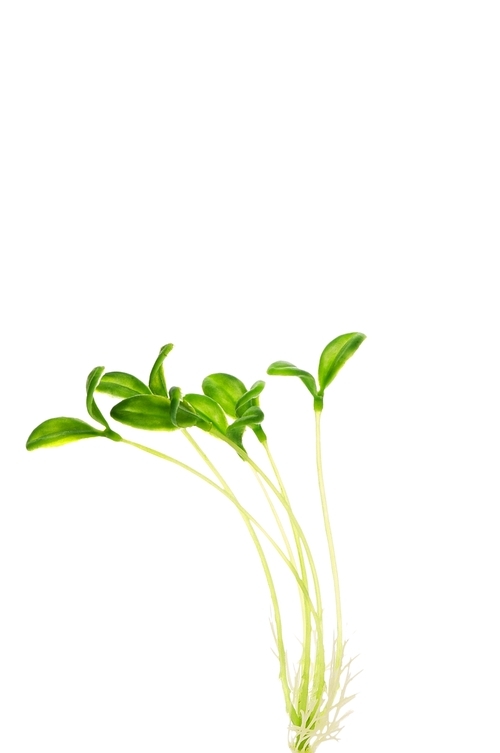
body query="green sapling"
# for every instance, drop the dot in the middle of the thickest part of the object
(315, 692)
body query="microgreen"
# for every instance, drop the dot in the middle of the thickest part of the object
(119, 384)
(226, 390)
(157, 383)
(57, 431)
(315, 692)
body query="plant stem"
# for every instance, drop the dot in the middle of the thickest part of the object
(331, 550)
(240, 507)
(319, 673)
(272, 589)
(306, 614)
(170, 459)
(277, 518)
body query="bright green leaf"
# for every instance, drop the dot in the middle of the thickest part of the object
(250, 397)
(285, 368)
(208, 409)
(58, 431)
(119, 384)
(335, 355)
(225, 390)
(92, 382)
(252, 417)
(175, 400)
(157, 383)
(151, 412)
(187, 416)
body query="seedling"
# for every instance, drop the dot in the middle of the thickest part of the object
(316, 691)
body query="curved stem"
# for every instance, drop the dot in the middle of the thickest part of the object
(306, 615)
(331, 550)
(319, 672)
(245, 456)
(230, 494)
(272, 589)
(286, 504)
(319, 675)
(233, 499)
(170, 459)
(276, 518)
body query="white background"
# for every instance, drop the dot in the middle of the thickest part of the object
(247, 181)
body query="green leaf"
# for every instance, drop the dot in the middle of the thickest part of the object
(175, 400)
(285, 368)
(151, 412)
(250, 397)
(157, 383)
(252, 417)
(208, 409)
(225, 390)
(92, 382)
(58, 431)
(335, 355)
(187, 416)
(119, 384)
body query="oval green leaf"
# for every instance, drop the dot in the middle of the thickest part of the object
(187, 416)
(151, 412)
(157, 382)
(334, 356)
(252, 417)
(285, 368)
(208, 409)
(59, 431)
(92, 382)
(226, 390)
(250, 397)
(120, 384)
(144, 412)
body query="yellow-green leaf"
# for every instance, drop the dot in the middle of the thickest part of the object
(226, 390)
(157, 382)
(120, 384)
(334, 356)
(58, 431)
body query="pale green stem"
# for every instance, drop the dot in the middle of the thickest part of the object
(240, 507)
(319, 675)
(306, 615)
(277, 518)
(174, 461)
(272, 589)
(331, 550)
(295, 523)
(245, 456)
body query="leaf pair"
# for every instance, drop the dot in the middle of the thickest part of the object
(153, 407)
(58, 431)
(231, 394)
(226, 395)
(121, 384)
(208, 409)
(253, 418)
(333, 357)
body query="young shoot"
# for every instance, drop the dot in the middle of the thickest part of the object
(316, 691)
